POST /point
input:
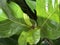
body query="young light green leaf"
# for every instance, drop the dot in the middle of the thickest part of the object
(31, 37)
(27, 19)
(22, 39)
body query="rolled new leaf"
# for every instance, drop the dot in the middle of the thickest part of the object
(27, 19)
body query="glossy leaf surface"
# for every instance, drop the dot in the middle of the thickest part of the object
(48, 18)
(10, 27)
(31, 37)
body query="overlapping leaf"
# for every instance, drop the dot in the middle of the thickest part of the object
(8, 25)
(48, 18)
(31, 37)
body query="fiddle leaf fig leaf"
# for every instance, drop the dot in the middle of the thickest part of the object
(22, 39)
(49, 10)
(27, 20)
(17, 13)
(13, 11)
(48, 18)
(9, 27)
(31, 37)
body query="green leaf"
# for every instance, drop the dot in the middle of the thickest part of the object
(50, 30)
(9, 28)
(53, 10)
(31, 4)
(2, 15)
(27, 19)
(17, 12)
(3, 5)
(48, 18)
(49, 13)
(12, 11)
(31, 37)
(22, 39)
